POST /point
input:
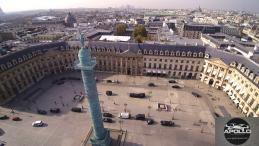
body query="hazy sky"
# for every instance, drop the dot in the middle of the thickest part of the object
(18, 5)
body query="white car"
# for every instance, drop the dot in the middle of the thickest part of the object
(124, 115)
(37, 124)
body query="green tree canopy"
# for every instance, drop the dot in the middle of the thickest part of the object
(139, 33)
(139, 30)
(121, 29)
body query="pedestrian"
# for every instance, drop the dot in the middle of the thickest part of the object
(63, 104)
(55, 102)
(82, 107)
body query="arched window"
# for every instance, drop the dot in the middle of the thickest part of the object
(167, 52)
(139, 52)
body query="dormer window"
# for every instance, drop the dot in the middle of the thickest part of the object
(243, 69)
(139, 52)
(150, 52)
(177, 53)
(103, 49)
(161, 53)
(200, 54)
(156, 52)
(194, 54)
(172, 53)
(233, 64)
(189, 54)
(166, 52)
(145, 51)
(183, 54)
(118, 50)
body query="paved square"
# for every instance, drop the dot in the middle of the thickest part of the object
(194, 117)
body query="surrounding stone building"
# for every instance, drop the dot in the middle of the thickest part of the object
(194, 31)
(236, 76)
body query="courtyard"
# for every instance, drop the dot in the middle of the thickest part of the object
(194, 117)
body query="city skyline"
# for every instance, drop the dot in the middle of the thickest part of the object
(250, 5)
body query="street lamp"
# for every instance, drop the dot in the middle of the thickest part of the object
(120, 121)
(102, 105)
(149, 107)
(125, 105)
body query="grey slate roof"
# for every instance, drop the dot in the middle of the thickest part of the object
(43, 47)
(134, 47)
(229, 58)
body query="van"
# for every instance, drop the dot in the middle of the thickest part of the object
(124, 115)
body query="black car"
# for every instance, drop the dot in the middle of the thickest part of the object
(60, 82)
(196, 94)
(176, 87)
(172, 81)
(107, 120)
(137, 95)
(140, 117)
(149, 121)
(108, 81)
(41, 112)
(109, 93)
(4, 117)
(151, 85)
(76, 109)
(54, 110)
(167, 123)
(107, 115)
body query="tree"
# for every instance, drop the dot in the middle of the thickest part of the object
(121, 29)
(139, 33)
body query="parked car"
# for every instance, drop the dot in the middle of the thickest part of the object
(60, 82)
(167, 123)
(54, 110)
(149, 121)
(137, 95)
(76, 109)
(176, 86)
(107, 115)
(109, 93)
(16, 119)
(151, 85)
(172, 81)
(41, 112)
(4, 117)
(196, 94)
(124, 115)
(108, 81)
(107, 120)
(37, 124)
(140, 117)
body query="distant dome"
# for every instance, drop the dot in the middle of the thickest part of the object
(70, 20)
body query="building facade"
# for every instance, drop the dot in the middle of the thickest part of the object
(238, 81)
